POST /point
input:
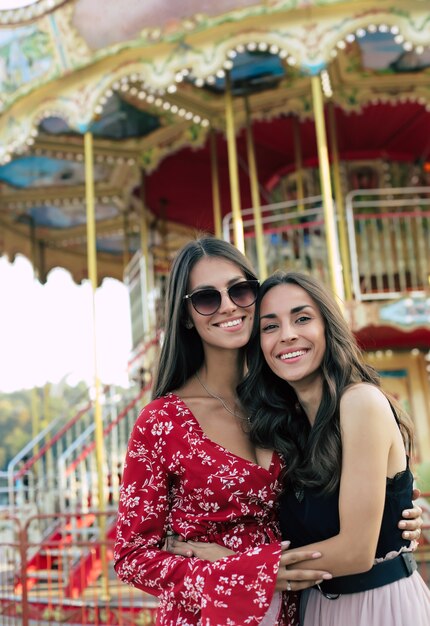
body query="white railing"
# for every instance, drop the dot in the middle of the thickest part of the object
(294, 239)
(389, 238)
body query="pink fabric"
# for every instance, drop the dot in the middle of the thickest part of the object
(176, 478)
(405, 602)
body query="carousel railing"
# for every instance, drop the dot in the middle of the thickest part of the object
(388, 237)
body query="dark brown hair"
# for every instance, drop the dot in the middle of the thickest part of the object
(182, 351)
(313, 456)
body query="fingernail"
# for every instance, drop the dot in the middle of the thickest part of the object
(285, 544)
(405, 513)
(327, 576)
(402, 524)
(316, 555)
(318, 582)
(406, 535)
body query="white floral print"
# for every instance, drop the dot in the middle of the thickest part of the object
(175, 478)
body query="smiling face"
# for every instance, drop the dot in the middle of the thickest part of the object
(292, 334)
(230, 326)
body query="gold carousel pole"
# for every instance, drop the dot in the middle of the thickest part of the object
(343, 235)
(144, 248)
(255, 195)
(298, 158)
(92, 274)
(239, 239)
(216, 196)
(336, 281)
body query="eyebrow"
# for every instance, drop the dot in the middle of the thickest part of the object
(296, 309)
(232, 281)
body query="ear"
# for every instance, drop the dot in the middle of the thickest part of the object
(189, 324)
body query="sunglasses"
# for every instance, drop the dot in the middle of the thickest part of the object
(208, 301)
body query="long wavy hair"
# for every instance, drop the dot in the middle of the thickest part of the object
(313, 455)
(182, 350)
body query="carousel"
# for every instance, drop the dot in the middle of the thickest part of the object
(298, 130)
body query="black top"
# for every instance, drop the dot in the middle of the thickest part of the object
(308, 516)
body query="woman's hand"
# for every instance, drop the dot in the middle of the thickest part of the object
(412, 521)
(206, 551)
(290, 579)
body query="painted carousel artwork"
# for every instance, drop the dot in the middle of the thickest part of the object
(297, 129)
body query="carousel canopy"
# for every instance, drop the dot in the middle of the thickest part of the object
(149, 82)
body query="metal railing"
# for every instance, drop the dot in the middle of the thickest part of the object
(388, 240)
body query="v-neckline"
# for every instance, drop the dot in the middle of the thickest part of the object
(220, 446)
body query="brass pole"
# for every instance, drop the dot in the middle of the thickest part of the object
(340, 206)
(126, 243)
(233, 168)
(255, 194)
(298, 158)
(92, 274)
(144, 249)
(324, 167)
(216, 197)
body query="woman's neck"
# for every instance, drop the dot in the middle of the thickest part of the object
(222, 370)
(310, 396)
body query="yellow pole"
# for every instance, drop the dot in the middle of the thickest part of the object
(35, 415)
(255, 194)
(144, 249)
(216, 198)
(324, 167)
(343, 233)
(126, 243)
(298, 157)
(92, 274)
(239, 239)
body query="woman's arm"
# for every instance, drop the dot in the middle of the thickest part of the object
(288, 578)
(368, 430)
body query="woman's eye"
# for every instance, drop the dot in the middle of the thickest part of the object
(268, 327)
(303, 319)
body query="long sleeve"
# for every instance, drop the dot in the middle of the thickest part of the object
(245, 581)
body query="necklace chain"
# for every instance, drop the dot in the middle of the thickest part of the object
(213, 395)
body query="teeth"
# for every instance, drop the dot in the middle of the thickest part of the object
(291, 355)
(229, 324)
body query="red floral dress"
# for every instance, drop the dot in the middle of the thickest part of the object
(175, 478)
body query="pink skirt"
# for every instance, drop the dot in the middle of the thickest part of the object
(405, 602)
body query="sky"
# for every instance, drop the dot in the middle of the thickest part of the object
(46, 331)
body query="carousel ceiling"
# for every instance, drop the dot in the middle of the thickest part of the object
(149, 82)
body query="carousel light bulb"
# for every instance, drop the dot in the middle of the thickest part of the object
(341, 44)
(166, 106)
(291, 61)
(205, 122)
(179, 77)
(181, 112)
(399, 39)
(210, 80)
(158, 102)
(197, 119)
(419, 49)
(360, 32)
(350, 38)
(274, 49)
(220, 73)
(407, 46)
(228, 65)
(150, 98)
(283, 54)
(98, 109)
(372, 28)
(188, 115)
(383, 28)
(171, 89)
(199, 82)
(232, 54)
(251, 46)
(240, 48)
(262, 46)
(174, 108)
(394, 30)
